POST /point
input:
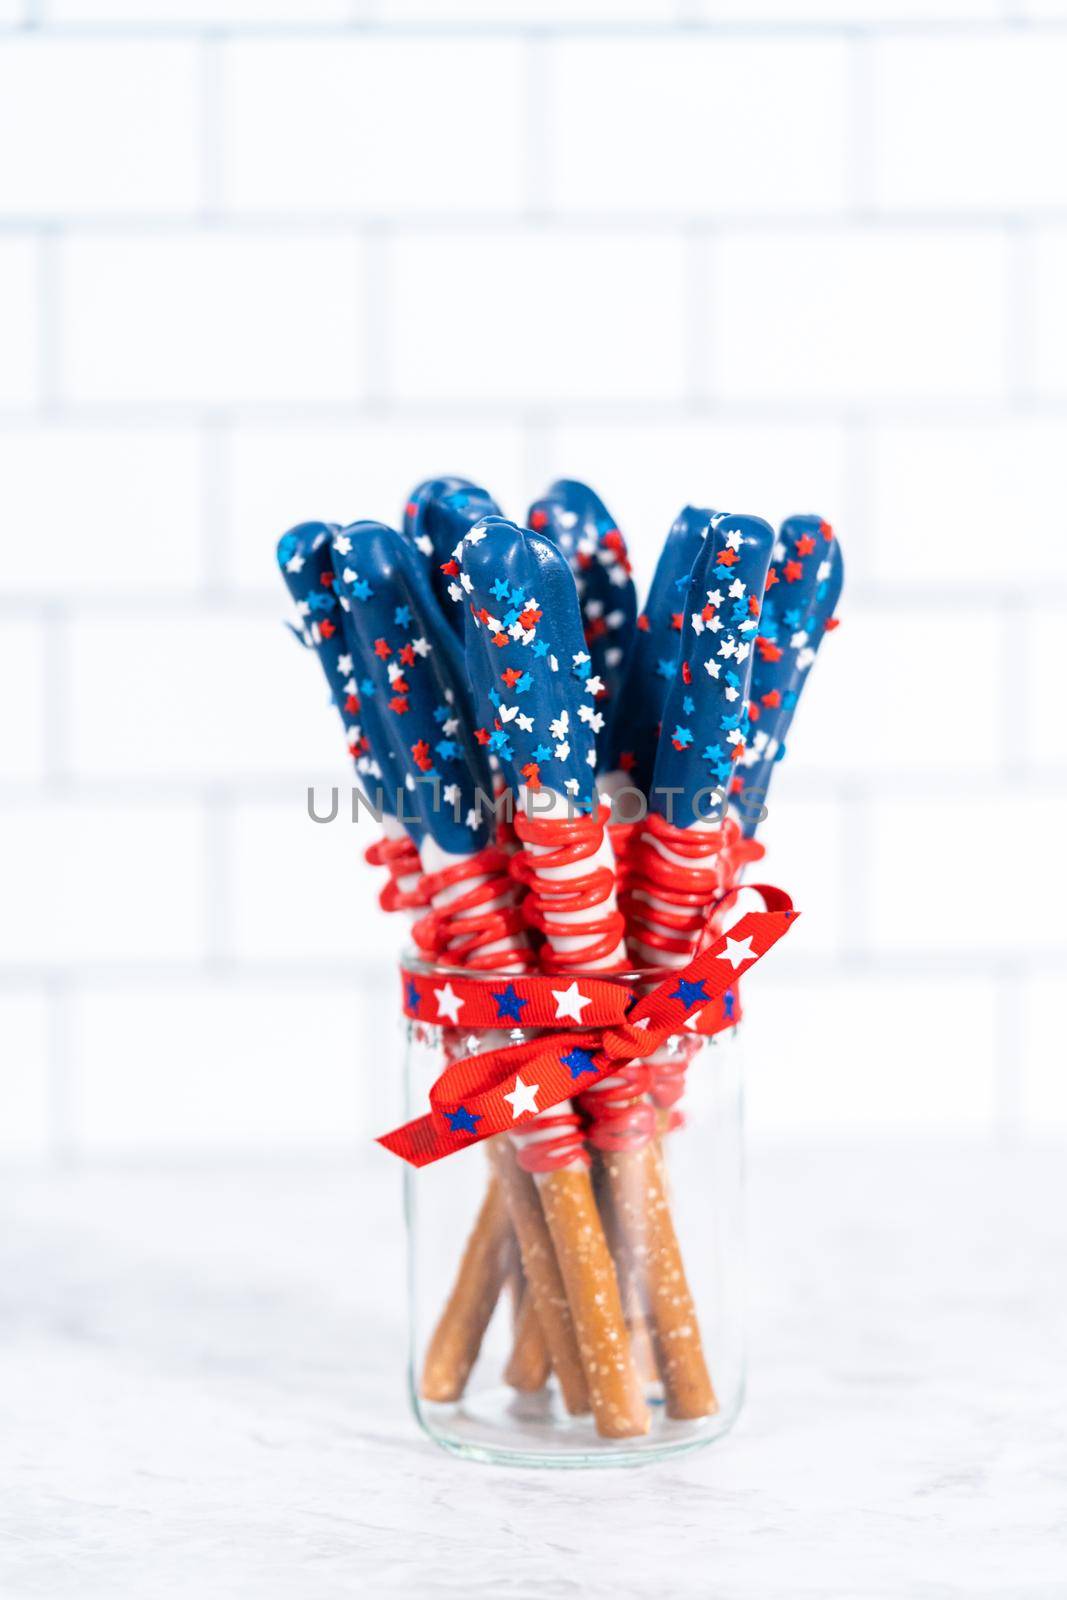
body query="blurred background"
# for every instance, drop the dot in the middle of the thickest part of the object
(262, 261)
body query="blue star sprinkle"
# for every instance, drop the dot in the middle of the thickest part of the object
(508, 1004)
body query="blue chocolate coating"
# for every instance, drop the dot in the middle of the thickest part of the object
(438, 513)
(411, 669)
(804, 587)
(534, 688)
(586, 532)
(657, 645)
(304, 559)
(706, 713)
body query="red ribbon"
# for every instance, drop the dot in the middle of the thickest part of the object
(469, 1101)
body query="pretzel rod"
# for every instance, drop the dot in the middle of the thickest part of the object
(529, 1363)
(410, 669)
(523, 689)
(455, 1342)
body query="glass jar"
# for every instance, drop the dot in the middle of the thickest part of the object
(642, 1231)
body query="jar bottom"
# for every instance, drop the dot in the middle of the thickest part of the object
(500, 1426)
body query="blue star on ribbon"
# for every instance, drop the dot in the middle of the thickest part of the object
(462, 1121)
(579, 1061)
(729, 1000)
(414, 998)
(690, 994)
(508, 1004)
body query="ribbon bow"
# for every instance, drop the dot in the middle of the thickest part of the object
(483, 1095)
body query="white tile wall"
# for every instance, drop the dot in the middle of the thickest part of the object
(211, 318)
(261, 261)
(113, 126)
(477, 314)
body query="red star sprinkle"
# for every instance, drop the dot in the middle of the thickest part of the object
(677, 619)
(831, 623)
(793, 571)
(805, 545)
(538, 520)
(532, 773)
(772, 699)
(482, 735)
(643, 623)
(511, 676)
(530, 617)
(352, 704)
(772, 579)
(826, 531)
(687, 676)
(450, 567)
(421, 753)
(327, 628)
(407, 655)
(500, 640)
(768, 650)
(726, 558)
(399, 705)
(381, 649)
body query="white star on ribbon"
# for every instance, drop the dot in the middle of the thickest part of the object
(737, 952)
(570, 1002)
(523, 1097)
(449, 1003)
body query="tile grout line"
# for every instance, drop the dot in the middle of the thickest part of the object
(212, 127)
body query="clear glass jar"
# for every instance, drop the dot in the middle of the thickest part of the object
(663, 1217)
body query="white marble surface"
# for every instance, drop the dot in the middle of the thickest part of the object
(201, 1394)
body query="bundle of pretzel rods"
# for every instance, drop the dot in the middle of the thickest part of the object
(470, 657)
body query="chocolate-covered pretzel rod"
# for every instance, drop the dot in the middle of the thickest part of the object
(535, 691)
(304, 560)
(437, 515)
(414, 669)
(803, 588)
(579, 522)
(702, 727)
(653, 660)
